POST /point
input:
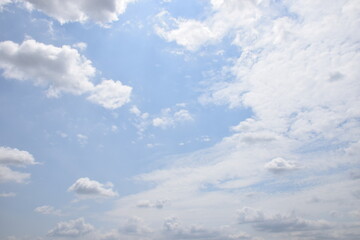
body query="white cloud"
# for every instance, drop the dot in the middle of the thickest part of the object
(110, 94)
(86, 188)
(280, 165)
(72, 228)
(135, 226)
(10, 194)
(159, 204)
(80, 45)
(17, 158)
(82, 139)
(173, 229)
(278, 223)
(61, 69)
(101, 12)
(4, 2)
(169, 118)
(192, 34)
(48, 210)
(8, 175)
(135, 110)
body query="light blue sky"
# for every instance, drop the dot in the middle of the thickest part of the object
(179, 119)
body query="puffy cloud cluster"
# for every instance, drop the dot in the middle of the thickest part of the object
(72, 228)
(101, 12)
(61, 70)
(110, 94)
(16, 158)
(86, 188)
(280, 165)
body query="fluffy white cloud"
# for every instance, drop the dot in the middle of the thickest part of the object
(17, 158)
(192, 34)
(8, 175)
(48, 210)
(72, 228)
(99, 11)
(110, 94)
(61, 69)
(280, 165)
(86, 188)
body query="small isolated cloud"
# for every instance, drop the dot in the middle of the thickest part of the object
(16, 158)
(280, 165)
(159, 204)
(278, 223)
(86, 188)
(73, 228)
(61, 69)
(169, 118)
(48, 210)
(5, 195)
(110, 94)
(82, 139)
(101, 12)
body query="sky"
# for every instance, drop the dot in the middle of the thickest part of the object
(179, 119)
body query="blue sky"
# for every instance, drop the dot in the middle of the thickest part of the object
(202, 119)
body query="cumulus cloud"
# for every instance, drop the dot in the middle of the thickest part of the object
(48, 210)
(278, 223)
(101, 12)
(16, 158)
(86, 188)
(110, 94)
(72, 228)
(61, 69)
(280, 165)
